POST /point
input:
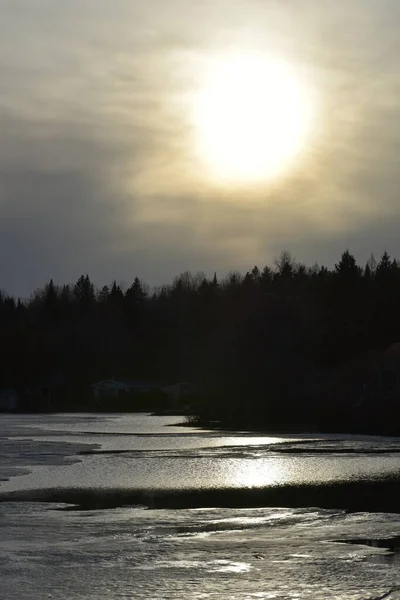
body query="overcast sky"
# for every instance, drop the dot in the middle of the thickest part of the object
(97, 173)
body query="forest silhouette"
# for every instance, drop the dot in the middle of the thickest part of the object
(282, 347)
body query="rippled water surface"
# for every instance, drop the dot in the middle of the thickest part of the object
(96, 533)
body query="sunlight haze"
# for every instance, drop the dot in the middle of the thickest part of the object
(253, 117)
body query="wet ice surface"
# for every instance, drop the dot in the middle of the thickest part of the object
(136, 553)
(144, 452)
(133, 552)
(23, 445)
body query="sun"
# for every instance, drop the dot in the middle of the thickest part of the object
(252, 118)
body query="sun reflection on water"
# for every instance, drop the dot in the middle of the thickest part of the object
(259, 473)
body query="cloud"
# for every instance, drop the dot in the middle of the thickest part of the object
(97, 170)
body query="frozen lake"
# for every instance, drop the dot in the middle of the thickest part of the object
(133, 506)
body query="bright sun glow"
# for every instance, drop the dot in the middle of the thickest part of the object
(252, 118)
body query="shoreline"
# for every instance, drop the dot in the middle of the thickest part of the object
(373, 495)
(294, 430)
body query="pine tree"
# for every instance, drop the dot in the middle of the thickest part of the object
(384, 269)
(347, 268)
(136, 294)
(50, 305)
(84, 293)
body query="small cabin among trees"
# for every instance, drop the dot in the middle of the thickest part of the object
(113, 388)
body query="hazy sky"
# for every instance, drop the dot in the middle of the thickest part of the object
(97, 169)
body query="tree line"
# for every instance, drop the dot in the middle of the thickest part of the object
(259, 348)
